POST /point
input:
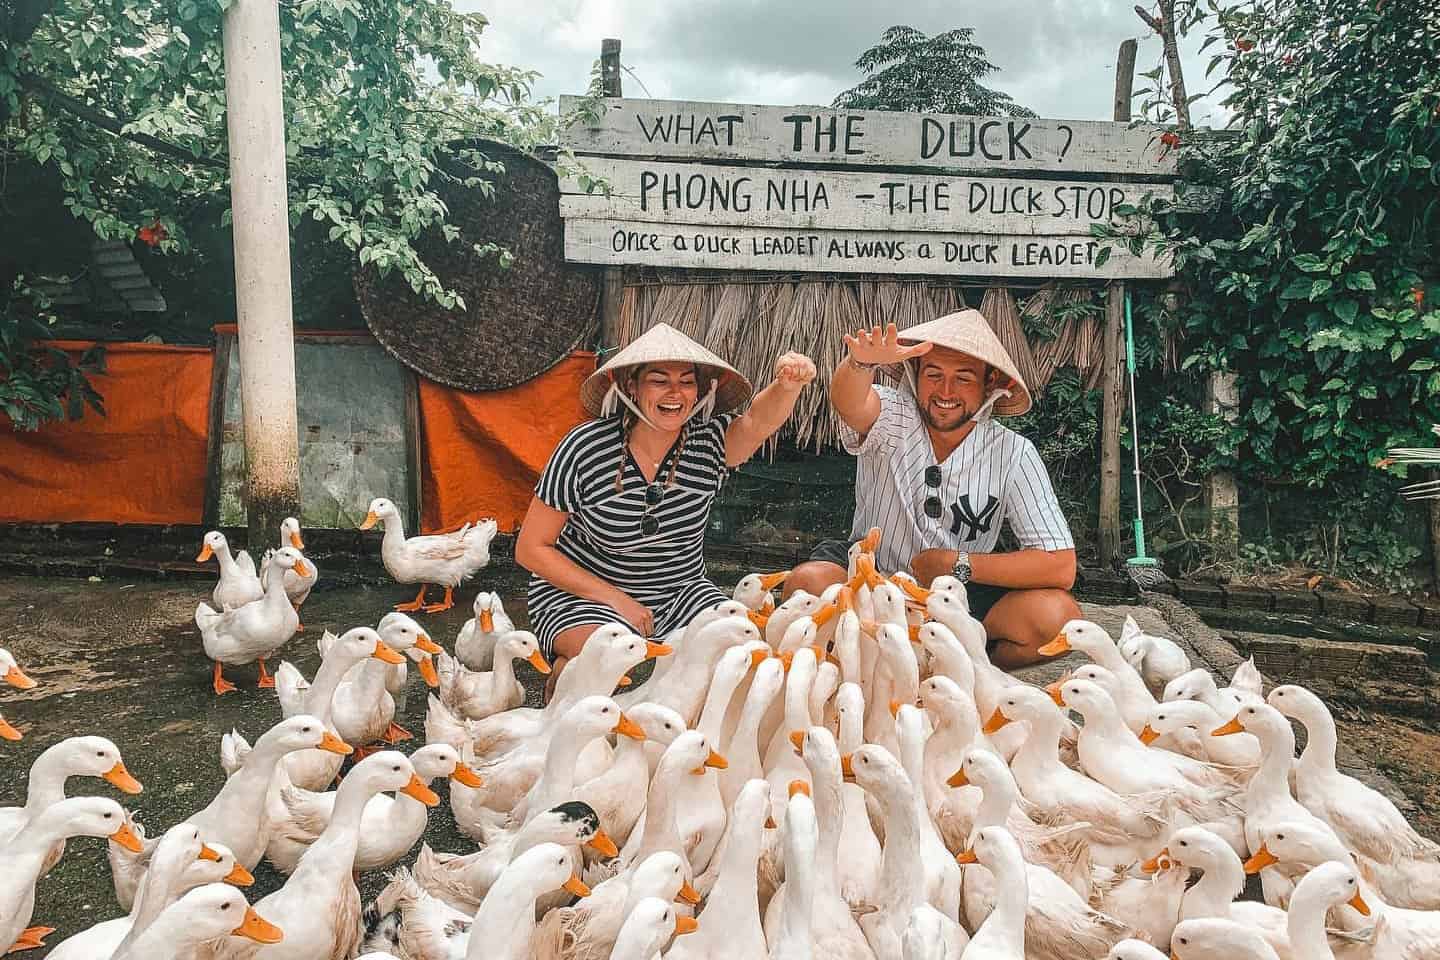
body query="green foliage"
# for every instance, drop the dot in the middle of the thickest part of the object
(907, 70)
(37, 382)
(1306, 237)
(373, 93)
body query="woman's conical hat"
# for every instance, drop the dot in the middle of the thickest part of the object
(969, 332)
(662, 343)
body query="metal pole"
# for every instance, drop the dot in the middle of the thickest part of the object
(260, 211)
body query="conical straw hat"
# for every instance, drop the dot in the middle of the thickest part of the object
(969, 332)
(662, 343)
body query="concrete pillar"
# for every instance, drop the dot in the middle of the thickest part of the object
(256, 121)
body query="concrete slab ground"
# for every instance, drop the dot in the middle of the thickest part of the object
(123, 659)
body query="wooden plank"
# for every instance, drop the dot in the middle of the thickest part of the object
(1112, 373)
(818, 136)
(659, 192)
(215, 430)
(845, 251)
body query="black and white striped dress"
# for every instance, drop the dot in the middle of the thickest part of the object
(666, 571)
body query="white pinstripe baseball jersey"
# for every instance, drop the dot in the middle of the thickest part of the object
(994, 476)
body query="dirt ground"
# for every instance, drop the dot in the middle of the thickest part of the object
(123, 660)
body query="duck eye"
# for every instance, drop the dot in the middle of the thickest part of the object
(396, 769)
(109, 816)
(1279, 836)
(224, 906)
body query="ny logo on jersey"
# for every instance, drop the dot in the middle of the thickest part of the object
(964, 515)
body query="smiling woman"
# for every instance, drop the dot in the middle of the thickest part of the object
(616, 530)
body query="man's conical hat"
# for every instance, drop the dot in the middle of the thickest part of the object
(969, 332)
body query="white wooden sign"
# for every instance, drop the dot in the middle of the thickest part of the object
(658, 192)
(820, 136)
(736, 187)
(849, 251)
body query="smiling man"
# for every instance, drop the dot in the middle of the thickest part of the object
(939, 477)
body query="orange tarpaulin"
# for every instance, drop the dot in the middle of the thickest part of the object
(483, 452)
(142, 463)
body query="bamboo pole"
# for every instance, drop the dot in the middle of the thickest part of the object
(1111, 374)
(265, 325)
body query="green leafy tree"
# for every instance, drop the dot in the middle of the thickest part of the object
(124, 100)
(1307, 236)
(907, 70)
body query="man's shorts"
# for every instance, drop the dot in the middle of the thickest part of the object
(982, 595)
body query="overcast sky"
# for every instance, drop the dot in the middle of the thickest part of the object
(1055, 56)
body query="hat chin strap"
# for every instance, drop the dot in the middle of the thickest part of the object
(615, 396)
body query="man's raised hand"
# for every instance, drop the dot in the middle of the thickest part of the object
(875, 346)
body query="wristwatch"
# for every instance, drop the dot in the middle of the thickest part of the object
(961, 570)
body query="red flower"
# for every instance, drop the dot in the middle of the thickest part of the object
(1170, 138)
(1418, 293)
(153, 234)
(1244, 46)
(1288, 59)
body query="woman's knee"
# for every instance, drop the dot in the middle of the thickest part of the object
(569, 643)
(813, 576)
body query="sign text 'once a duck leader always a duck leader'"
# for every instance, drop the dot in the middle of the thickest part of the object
(818, 136)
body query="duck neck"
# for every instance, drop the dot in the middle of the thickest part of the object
(157, 892)
(1318, 757)
(1277, 754)
(318, 699)
(830, 812)
(26, 852)
(717, 702)
(902, 884)
(564, 750)
(736, 888)
(797, 698)
(506, 916)
(171, 935)
(952, 661)
(997, 801)
(333, 853)
(661, 833)
(275, 595)
(1039, 753)
(47, 781)
(504, 669)
(1106, 722)
(1011, 899)
(1217, 888)
(228, 566)
(956, 728)
(1305, 926)
(800, 871)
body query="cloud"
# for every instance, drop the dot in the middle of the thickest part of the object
(1055, 56)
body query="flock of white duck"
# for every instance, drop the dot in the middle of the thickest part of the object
(844, 776)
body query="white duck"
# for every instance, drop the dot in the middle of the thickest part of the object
(174, 868)
(587, 721)
(793, 937)
(1365, 820)
(1157, 659)
(834, 930)
(362, 709)
(1172, 717)
(1120, 828)
(45, 787)
(588, 930)
(317, 770)
(207, 915)
(319, 905)
(254, 631)
(1398, 933)
(11, 673)
(1059, 922)
(237, 816)
(476, 695)
(1267, 800)
(1198, 684)
(618, 793)
(1183, 739)
(689, 755)
(1221, 882)
(238, 583)
(682, 685)
(941, 870)
(507, 916)
(956, 729)
(475, 644)
(463, 881)
(1208, 939)
(782, 765)
(446, 560)
(297, 586)
(1328, 885)
(26, 854)
(1132, 696)
(743, 750)
(1134, 950)
(389, 827)
(901, 887)
(755, 590)
(1002, 934)
(649, 926)
(730, 923)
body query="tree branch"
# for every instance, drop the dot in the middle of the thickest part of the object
(1150, 21)
(117, 127)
